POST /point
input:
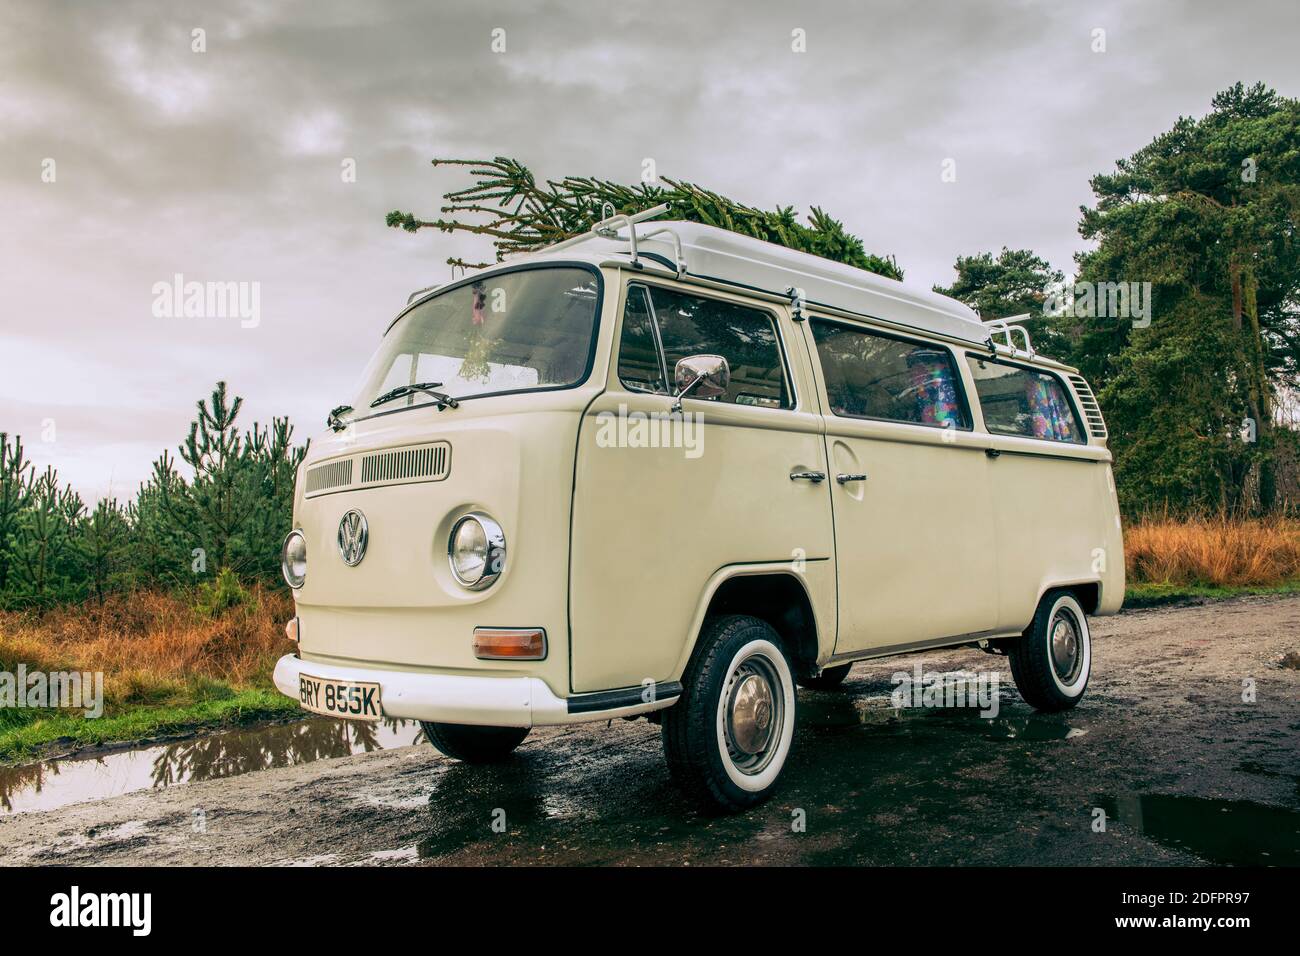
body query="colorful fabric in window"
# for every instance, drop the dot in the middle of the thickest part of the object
(1050, 416)
(935, 388)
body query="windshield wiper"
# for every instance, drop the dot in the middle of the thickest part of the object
(428, 388)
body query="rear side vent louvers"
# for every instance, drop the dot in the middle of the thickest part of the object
(334, 475)
(1088, 403)
(426, 463)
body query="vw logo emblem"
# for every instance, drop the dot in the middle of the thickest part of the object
(353, 537)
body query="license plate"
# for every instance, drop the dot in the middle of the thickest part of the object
(336, 698)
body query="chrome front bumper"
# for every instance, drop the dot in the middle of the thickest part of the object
(485, 701)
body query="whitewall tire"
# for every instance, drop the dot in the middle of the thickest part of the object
(729, 735)
(1052, 660)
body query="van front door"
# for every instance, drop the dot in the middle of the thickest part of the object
(915, 549)
(665, 503)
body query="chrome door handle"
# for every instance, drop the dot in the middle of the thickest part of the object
(816, 477)
(845, 479)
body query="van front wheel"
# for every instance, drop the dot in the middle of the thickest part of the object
(728, 736)
(474, 744)
(1052, 660)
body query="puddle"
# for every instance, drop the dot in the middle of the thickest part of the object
(1011, 723)
(1232, 832)
(57, 783)
(1038, 727)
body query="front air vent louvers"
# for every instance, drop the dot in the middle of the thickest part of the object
(336, 474)
(426, 463)
(1088, 404)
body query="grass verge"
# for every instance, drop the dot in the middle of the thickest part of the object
(1192, 560)
(172, 662)
(1158, 595)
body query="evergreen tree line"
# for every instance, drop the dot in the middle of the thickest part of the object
(225, 514)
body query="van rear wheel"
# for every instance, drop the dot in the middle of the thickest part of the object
(1052, 660)
(828, 679)
(728, 736)
(474, 744)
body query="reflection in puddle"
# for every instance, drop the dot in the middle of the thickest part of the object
(1235, 832)
(57, 783)
(1034, 727)
(878, 711)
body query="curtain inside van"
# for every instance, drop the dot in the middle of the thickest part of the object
(1049, 413)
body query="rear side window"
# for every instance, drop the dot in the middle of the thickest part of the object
(1024, 401)
(675, 325)
(877, 376)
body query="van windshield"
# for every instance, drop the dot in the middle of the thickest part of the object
(505, 333)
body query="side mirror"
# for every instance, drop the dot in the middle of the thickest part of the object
(707, 376)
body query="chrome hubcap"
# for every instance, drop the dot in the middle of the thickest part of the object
(755, 709)
(1066, 646)
(751, 714)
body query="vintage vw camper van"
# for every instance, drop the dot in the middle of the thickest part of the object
(662, 470)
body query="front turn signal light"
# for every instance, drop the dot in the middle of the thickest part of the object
(509, 643)
(291, 630)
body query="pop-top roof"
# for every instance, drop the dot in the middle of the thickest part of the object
(719, 254)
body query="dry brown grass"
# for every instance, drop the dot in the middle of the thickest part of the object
(152, 645)
(1213, 552)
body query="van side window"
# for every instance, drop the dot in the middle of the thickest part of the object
(1024, 401)
(638, 351)
(694, 325)
(877, 376)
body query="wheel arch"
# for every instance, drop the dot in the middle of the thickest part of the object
(774, 593)
(1087, 593)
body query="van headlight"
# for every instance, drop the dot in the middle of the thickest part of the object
(293, 559)
(476, 551)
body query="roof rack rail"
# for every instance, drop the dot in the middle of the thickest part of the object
(1006, 327)
(419, 292)
(608, 228)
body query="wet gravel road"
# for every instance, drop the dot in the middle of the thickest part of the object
(1163, 745)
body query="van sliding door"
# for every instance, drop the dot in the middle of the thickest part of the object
(914, 529)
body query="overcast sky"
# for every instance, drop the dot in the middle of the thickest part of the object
(225, 165)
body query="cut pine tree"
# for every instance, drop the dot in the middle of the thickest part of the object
(519, 215)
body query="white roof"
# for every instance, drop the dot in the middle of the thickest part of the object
(719, 254)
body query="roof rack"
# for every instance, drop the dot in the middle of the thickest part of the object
(807, 281)
(1005, 327)
(608, 228)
